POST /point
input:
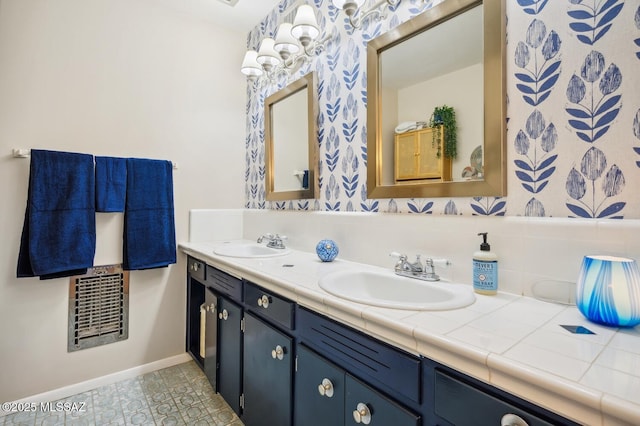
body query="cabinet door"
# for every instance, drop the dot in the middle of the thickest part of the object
(319, 390)
(230, 352)
(406, 153)
(480, 407)
(210, 337)
(195, 299)
(429, 164)
(267, 378)
(364, 405)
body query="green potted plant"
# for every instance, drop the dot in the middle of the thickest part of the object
(445, 116)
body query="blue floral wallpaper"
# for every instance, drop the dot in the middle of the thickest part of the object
(573, 96)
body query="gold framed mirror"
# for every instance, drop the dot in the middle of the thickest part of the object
(290, 141)
(440, 28)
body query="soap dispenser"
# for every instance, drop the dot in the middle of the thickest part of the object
(485, 269)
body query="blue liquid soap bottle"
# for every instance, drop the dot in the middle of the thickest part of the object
(485, 269)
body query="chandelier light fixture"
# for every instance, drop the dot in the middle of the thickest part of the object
(294, 43)
(357, 16)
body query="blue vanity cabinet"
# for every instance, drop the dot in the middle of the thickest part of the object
(267, 379)
(210, 312)
(223, 361)
(268, 358)
(196, 272)
(276, 363)
(364, 405)
(459, 400)
(381, 365)
(319, 390)
(230, 341)
(326, 394)
(373, 382)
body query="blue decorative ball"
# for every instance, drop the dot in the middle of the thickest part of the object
(327, 250)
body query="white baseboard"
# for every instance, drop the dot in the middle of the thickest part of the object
(67, 391)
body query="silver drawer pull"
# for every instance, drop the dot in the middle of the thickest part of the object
(326, 388)
(362, 414)
(194, 267)
(264, 301)
(512, 420)
(277, 353)
(224, 315)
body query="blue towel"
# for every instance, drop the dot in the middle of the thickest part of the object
(59, 232)
(149, 227)
(111, 184)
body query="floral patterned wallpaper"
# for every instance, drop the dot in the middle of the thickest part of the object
(573, 96)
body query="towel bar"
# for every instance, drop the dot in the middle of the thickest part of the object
(26, 153)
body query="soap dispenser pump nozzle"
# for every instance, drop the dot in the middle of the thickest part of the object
(485, 245)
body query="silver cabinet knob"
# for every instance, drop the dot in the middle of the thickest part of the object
(362, 414)
(326, 388)
(277, 353)
(194, 266)
(264, 301)
(224, 315)
(512, 420)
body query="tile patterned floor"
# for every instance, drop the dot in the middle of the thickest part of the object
(178, 395)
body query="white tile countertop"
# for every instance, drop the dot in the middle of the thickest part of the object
(514, 343)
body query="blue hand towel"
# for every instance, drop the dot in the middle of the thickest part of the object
(149, 227)
(111, 184)
(59, 232)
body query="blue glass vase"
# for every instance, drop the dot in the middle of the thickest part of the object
(327, 250)
(608, 290)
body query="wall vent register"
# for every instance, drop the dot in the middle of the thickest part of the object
(98, 307)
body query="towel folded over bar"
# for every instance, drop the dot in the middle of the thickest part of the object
(111, 184)
(149, 239)
(59, 231)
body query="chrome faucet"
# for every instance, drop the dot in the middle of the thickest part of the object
(274, 241)
(416, 269)
(404, 267)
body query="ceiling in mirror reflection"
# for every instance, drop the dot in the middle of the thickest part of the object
(425, 50)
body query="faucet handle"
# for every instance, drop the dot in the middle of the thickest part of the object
(268, 236)
(440, 261)
(401, 264)
(398, 255)
(430, 267)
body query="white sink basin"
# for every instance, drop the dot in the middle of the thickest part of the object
(388, 290)
(249, 250)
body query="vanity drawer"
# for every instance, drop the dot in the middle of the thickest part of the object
(375, 361)
(196, 268)
(480, 407)
(224, 283)
(269, 305)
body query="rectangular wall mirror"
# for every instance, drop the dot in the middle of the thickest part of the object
(450, 55)
(290, 139)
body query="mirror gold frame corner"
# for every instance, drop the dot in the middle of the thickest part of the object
(307, 82)
(495, 180)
